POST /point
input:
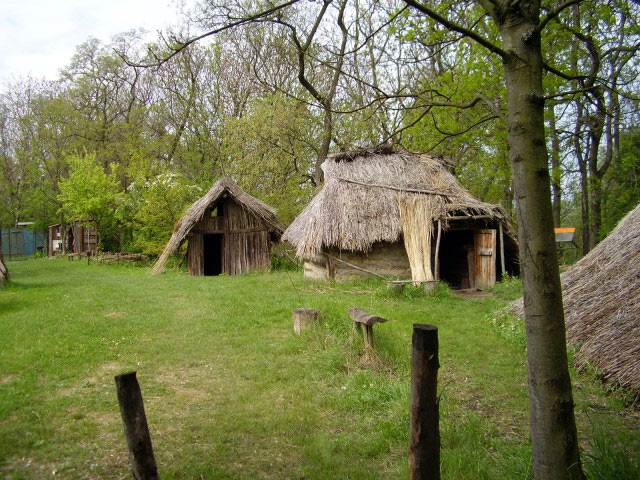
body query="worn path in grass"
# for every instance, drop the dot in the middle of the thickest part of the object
(231, 393)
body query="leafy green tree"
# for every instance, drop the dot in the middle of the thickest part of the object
(158, 203)
(272, 151)
(90, 194)
(622, 187)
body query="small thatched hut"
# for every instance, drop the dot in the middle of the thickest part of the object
(601, 295)
(228, 231)
(394, 213)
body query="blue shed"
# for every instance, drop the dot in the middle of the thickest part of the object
(22, 241)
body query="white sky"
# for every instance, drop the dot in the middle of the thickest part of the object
(39, 37)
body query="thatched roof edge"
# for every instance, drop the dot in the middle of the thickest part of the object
(194, 214)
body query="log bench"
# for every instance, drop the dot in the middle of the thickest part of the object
(121, 257)
(362, 319)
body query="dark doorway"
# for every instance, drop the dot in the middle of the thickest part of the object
(213, 248)
(454, 264)
(70, 241)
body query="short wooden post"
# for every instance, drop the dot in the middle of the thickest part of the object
(424, 446)
(303, 317)
(136, 430)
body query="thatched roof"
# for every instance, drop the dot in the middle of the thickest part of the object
(358, 204)
(223, 187)
(601, 295)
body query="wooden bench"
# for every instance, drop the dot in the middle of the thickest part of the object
(362, 319)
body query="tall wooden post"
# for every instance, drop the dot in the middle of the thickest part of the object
(502, 264)
(424, 446)
(136, 430)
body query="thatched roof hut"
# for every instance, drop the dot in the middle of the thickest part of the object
(387, 212)
(228, 231)
(601, 295)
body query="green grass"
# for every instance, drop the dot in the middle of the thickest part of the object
(231, 393)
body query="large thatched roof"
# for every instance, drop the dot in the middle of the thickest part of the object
(358, 204)
(601, 295)
(223, 187)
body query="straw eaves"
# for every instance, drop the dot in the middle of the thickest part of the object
(358, 204)
(601, 296)
(223, 187)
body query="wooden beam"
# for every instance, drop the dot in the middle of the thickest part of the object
(360, 316)
(436, 263)
(470, 217)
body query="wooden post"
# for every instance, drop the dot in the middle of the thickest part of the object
(136, 430)
(436, 263)
(424, 446)
(368, 336)
(303, 317)
(504, 270)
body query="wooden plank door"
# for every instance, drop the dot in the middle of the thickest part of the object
(484, 242)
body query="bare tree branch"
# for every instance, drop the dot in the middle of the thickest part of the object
(457, 28)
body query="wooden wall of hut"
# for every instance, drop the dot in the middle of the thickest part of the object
(55, 246)
(384, 258)
(245, 243)
(82, 238)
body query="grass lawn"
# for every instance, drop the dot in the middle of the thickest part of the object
(231, 393)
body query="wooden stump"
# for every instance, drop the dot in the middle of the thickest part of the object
(302, 318)
(430, 286)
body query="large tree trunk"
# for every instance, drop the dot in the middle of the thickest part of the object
(553, 431)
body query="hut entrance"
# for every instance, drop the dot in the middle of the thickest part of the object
(70, 241)
(468, 258)
(454, 264)
(213, 253)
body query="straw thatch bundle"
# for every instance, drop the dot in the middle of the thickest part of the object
(358, 205)
(417, 214)
(223, 187)
(601, 294)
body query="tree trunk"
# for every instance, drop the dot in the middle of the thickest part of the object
(584, 181)
(596, 129)
(327, 132)
(555, 169)
(553, 431)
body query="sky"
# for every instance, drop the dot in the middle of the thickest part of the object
(39, 37)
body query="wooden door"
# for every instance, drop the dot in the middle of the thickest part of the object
(484, 242)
